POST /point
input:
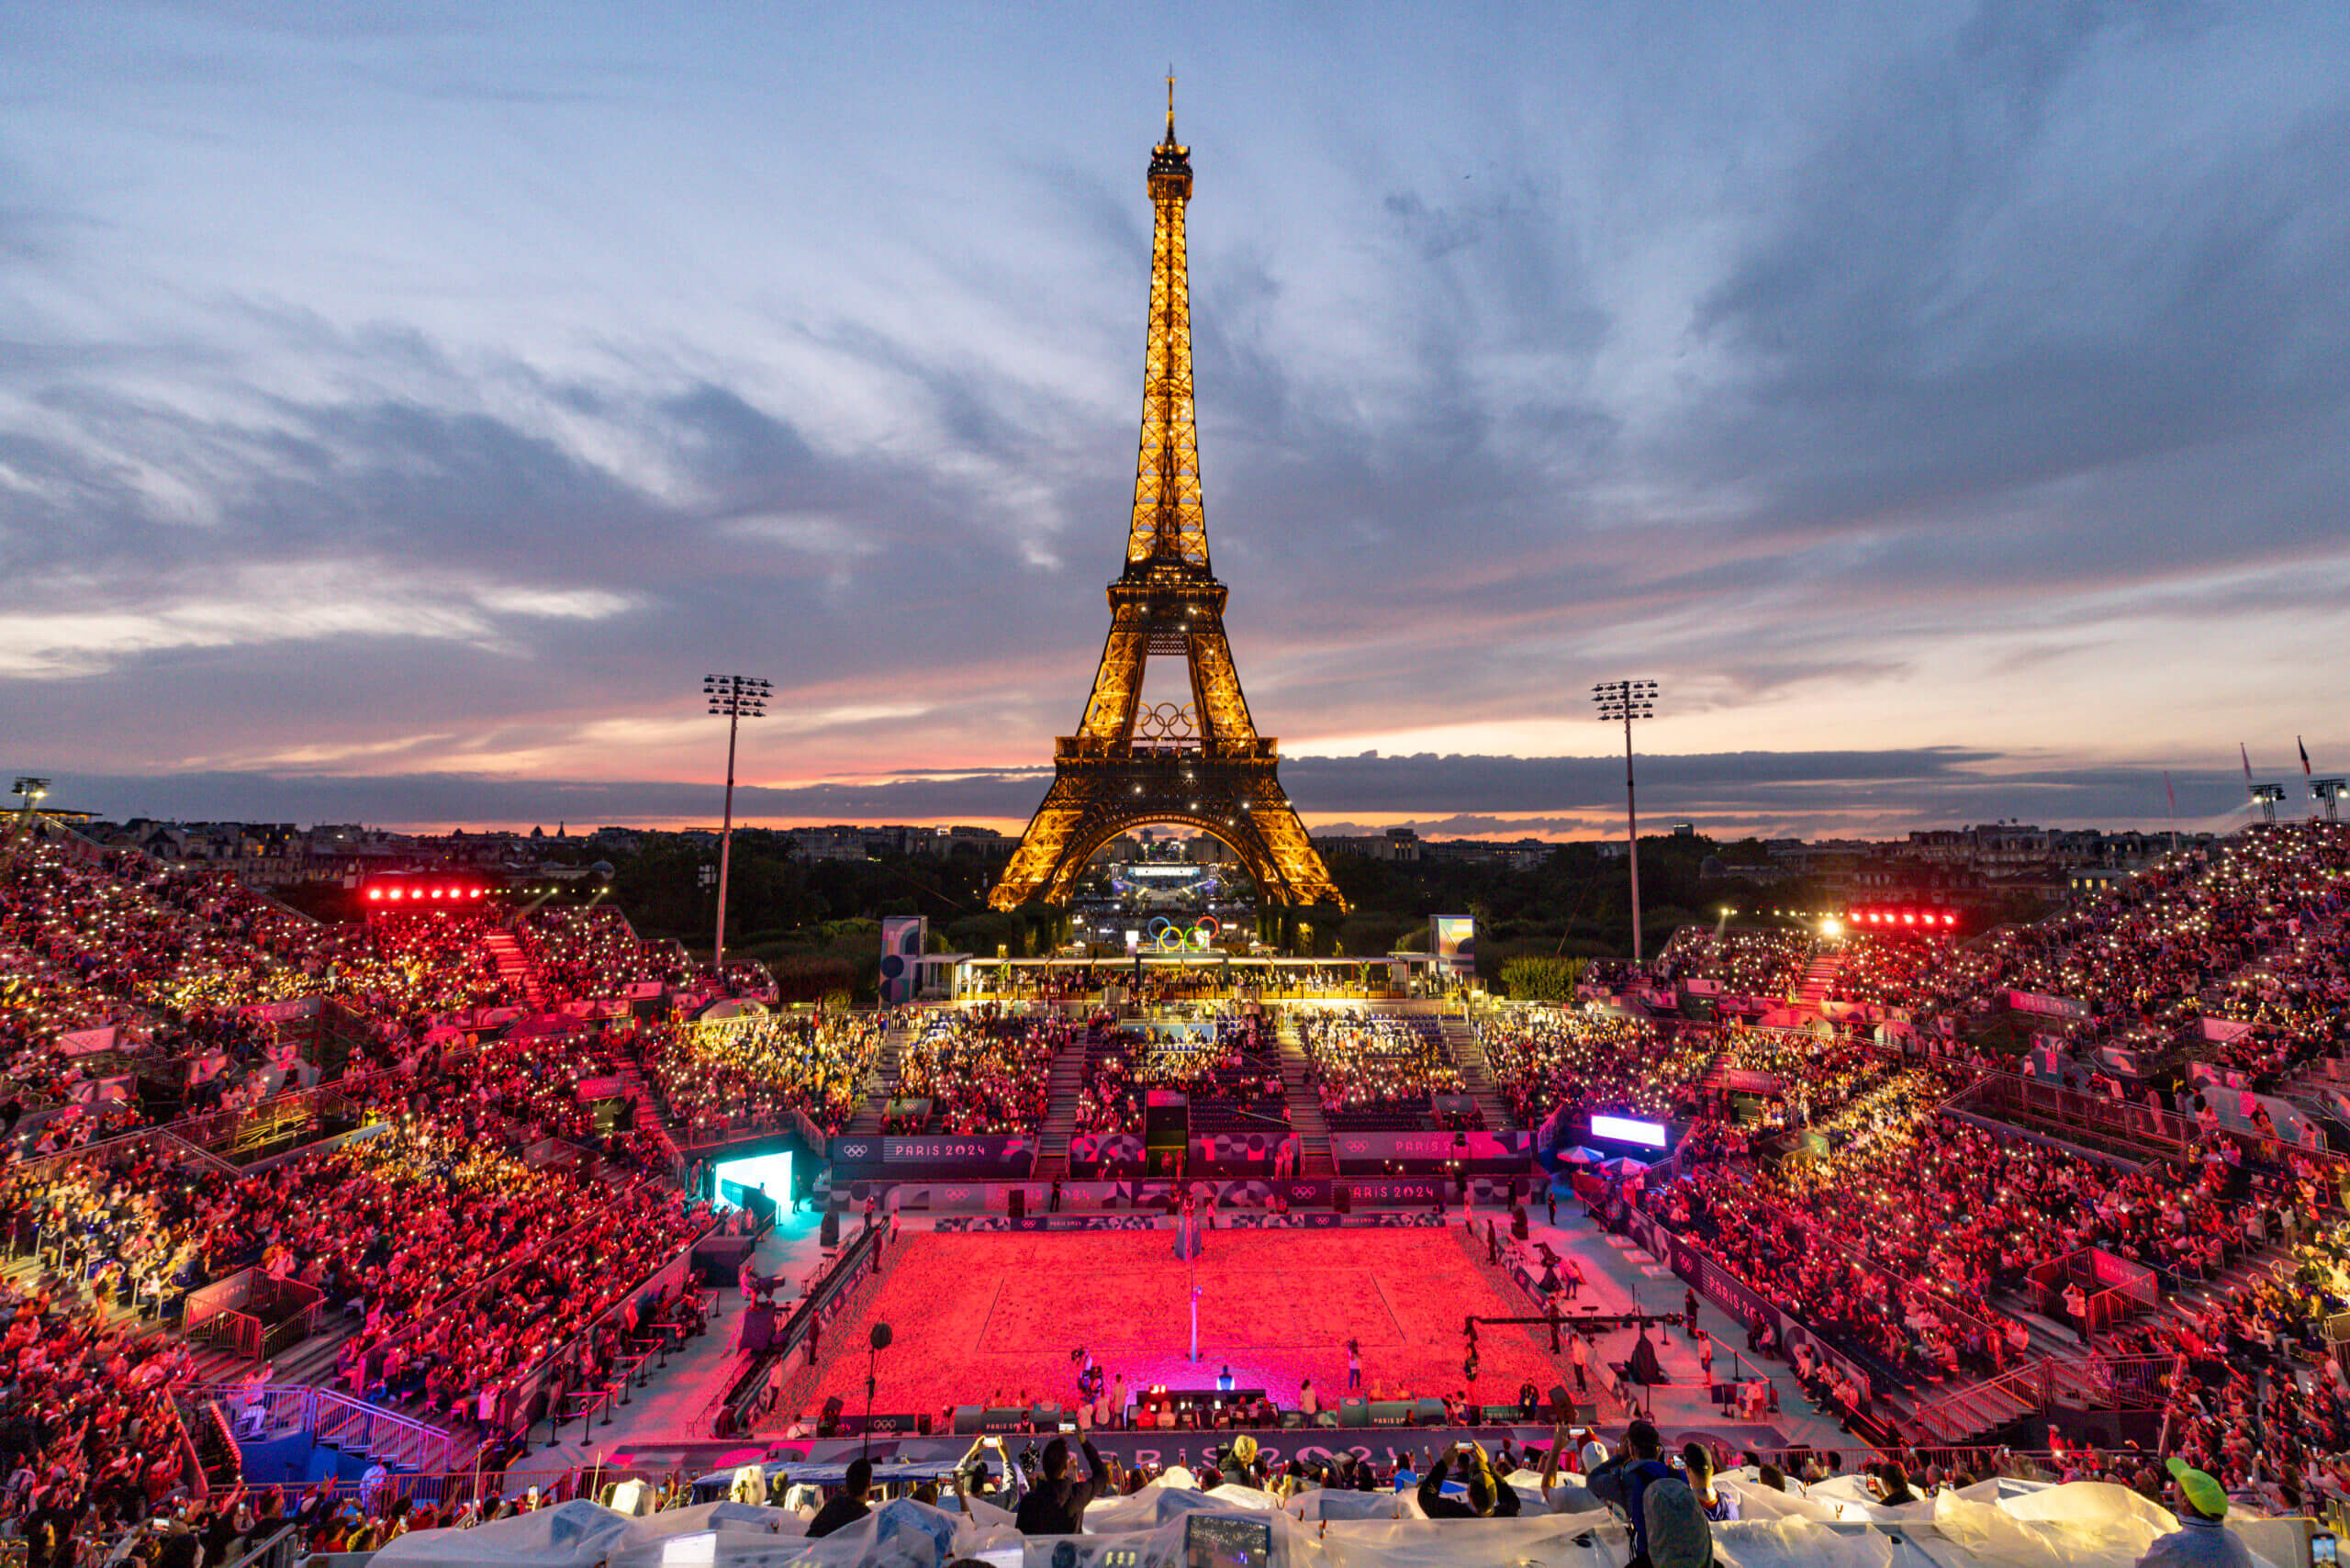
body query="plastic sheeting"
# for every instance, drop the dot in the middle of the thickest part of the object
(2084, 1525)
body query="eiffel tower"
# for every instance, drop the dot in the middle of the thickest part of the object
(1201, 764)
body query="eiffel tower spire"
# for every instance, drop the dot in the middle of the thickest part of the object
(1169, 518)
(1200, 763)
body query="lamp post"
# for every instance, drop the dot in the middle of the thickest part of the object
(877, 1339)
(739, 697)
(1626, 701)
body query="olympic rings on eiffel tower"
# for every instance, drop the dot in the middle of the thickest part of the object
(1167, 722)
(1166, 937)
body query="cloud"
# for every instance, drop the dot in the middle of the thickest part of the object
(1833, 793)
(327, 602)
(1943, 391)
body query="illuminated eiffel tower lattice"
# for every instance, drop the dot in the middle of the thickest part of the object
(1198, 763)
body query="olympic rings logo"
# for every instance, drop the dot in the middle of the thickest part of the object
(1165, 935)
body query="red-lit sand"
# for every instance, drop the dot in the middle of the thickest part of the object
(991, 1318)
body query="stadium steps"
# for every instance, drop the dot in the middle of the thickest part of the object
(2260, 1264)
(514, 966)
(2307, 1088)
(1305, 1118)
(648, 1109)
(1820, 979)
(1972, 1410)
(2087, 1142)
(1066, 1081)
(1716, 1075)
(881, 1082)
(1477, 1073)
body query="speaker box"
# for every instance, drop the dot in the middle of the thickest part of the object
(1518, 1223)
(1586, 1413)
(1472, 1415)
(1342, 1198)
(1428, 1413)
(828, 1234)
(829, 1424)
(970, 1420)
(1016, 1203)
(758, 1328)
(1354, 1410)
(922, 1423)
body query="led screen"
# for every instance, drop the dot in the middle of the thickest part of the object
(772, 1171)
(1622, 1129)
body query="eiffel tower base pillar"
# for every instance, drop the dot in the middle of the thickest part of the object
(1237, 800)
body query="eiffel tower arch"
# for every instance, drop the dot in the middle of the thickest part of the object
(1200, 763)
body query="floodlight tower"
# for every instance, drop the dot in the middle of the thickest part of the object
(739, 697)
(2331, 791)
(1626, 701)
(2267, 797)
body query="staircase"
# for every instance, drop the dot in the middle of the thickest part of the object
(1060, 1110)
(515, 969)
(2320, 1089)
(648, 1117)
(1961, 1415)
(1820, 979)
(1477, 1074)
(882, 1081)
(1305, 1118)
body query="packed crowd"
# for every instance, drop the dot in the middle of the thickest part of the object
(174, 958)
(2296, 998)
(982, 1071)
(1742, 962)
(583, 953)
(753, 1073)
(2139, 957)
(1223, 1061)
(516, 1265)
(1544, 1057)
(1358, 1060)
(1887, 967)
(2265, 1405)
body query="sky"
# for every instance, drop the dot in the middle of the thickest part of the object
(402, 408)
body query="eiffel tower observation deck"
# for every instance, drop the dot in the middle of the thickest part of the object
(1200, 763)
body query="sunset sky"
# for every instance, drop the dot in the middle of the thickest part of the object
(403, 406)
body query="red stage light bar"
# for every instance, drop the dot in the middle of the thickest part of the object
(1906, 917)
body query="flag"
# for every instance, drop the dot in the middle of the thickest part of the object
(2168, 791)
(2305, 755)
(2247, 763)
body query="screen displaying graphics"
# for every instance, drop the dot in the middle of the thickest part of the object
(1452, 935)
(1623, 1129)
(771, 1170)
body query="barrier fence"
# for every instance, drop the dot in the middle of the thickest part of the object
(737, 1403)
(266, 1410)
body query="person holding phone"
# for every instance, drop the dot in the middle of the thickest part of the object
(1056, 1503)
(1564, 1496)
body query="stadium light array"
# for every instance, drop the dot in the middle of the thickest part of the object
(1623, 701)
(738, 698)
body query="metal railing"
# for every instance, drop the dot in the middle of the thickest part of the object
(338, 1420)
(2162, 1135)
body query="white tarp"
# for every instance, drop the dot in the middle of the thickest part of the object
(2083, 1524)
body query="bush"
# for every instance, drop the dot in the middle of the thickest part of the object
(1530, 978)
